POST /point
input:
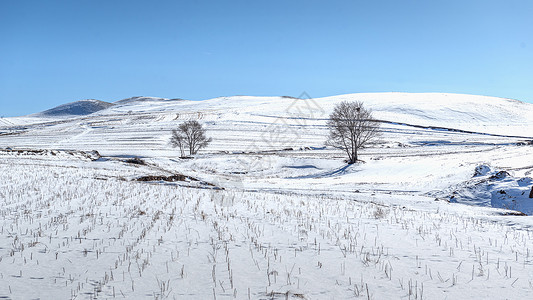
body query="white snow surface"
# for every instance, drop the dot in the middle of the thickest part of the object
(267, 210)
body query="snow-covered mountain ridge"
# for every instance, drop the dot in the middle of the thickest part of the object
(466, 112)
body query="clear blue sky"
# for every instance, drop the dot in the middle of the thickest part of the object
(53, 52)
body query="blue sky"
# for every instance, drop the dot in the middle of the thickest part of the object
(53, 52)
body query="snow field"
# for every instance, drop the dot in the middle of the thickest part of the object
(77, 235)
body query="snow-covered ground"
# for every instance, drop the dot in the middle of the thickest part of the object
(267, 211)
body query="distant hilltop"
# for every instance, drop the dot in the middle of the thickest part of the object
(89, 106)
(78, 108)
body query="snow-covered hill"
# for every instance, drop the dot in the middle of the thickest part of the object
(466, 112)
(144, 123)
(430, 143)
(78, 108)
(267, 211)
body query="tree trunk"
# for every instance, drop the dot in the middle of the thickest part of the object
(354, 150)
(531, 193)
(352, 158)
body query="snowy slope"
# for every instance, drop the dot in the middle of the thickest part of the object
(466, 112)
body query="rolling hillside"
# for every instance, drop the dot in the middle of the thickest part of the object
(435, 209)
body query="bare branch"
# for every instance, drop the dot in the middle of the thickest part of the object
(351, 127)
(191, 136)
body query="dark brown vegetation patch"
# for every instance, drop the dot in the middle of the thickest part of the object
(171, 178)
(136, 161)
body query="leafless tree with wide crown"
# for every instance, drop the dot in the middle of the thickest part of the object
(351, 127)
(189, 136)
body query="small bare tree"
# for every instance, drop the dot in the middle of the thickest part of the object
(351, 127)
(189, 136)
(177, 140)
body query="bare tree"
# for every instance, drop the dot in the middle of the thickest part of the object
(177, 140)
(351, 127)
(189, 136)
